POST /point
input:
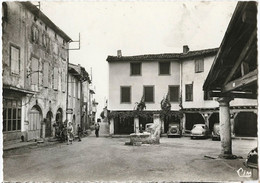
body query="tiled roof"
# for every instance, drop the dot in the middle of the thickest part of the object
(174, 56)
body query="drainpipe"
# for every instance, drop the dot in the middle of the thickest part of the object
(67, 93)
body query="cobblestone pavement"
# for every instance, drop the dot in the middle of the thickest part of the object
(108, 159)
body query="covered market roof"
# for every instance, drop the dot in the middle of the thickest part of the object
(234, 70)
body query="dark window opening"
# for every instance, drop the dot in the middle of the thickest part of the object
(174, 93)
(149, 94)
(4, 12)
(125, 94)
(135, 69)
(164, 68)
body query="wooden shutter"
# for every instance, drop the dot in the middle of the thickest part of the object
(79, 90)
(63, 82)
(148, 94)
(55, 79)
(45, 74)
(15, 60)
(125, 94)
(174, 93)
(35, 71)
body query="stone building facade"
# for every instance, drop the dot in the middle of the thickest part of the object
(35, 62)
(177, 76)
(78, 98)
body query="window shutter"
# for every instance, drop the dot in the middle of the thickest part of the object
(201, 65)
(63, 82)
(148, 94)
(55, 79)
(79, 90)
(35, 71)
(125, 94)
(174, 93)
(15, 60)
(45, 74)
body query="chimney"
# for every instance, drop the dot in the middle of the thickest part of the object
(185, 49)
(119, 53)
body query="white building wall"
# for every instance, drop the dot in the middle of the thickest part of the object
(189, 76)
(119, 75)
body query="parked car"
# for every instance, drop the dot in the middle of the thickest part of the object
(200, 130)
(216, 132)
(174, 130)
(252, 159)
(149, 127)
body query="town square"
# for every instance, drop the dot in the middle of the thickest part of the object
(127, 91)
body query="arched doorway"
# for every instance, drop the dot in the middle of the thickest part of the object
(246, 124)
(59, 116)
(48, 124)
(35, 119)
(214, 118)
(192, 119)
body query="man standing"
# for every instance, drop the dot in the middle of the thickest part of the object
(79, 132)
(97, 129)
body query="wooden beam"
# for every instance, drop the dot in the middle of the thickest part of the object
(241, 57)
(234, 95)
(242, 81)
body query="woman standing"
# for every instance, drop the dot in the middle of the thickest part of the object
(70, 133)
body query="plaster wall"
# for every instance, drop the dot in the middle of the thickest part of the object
(119, 75)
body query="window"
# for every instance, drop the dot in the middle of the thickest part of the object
(55, 78)
(4, 12)
(189, 92)
(45, 74)
(164, 68)
(199, 65)
(35, 71)
(174, 93)
(135, 69)
(125, 94)
(149, 94)
(15, 59)
(35, 34)
(11, 115)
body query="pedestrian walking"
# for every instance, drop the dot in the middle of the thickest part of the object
(70, 133)
(79, 132)
(97, 126)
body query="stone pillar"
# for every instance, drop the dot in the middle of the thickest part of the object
(225, 127)
(136, 125)
(157, 127)
(111, 127)
(183, 123)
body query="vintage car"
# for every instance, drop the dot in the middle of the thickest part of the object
(216, 132)
(252, 159)
(200, 131)
(174, 130)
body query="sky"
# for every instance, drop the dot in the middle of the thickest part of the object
(136, 28)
